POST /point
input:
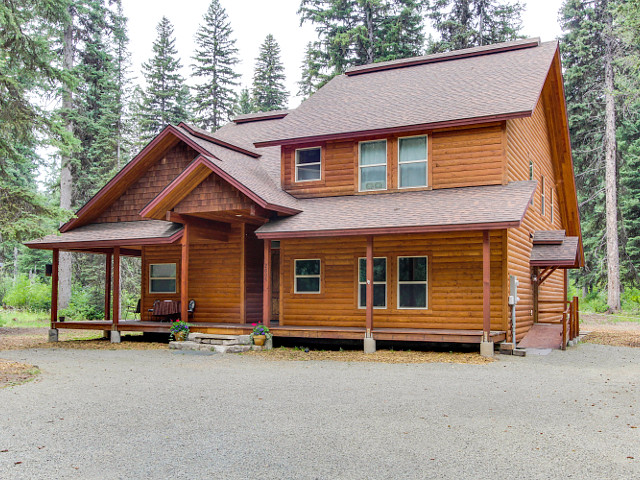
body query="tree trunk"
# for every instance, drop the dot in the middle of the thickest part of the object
(370, 35)
(66, 181)
(613, 257)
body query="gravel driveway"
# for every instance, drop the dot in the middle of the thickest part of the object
(160, 414)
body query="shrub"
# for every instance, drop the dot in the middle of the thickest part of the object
(32, 294)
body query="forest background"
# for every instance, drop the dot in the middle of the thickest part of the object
(72, 114)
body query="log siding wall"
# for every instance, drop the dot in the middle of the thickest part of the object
(528, 139)
(454, 282)
(456, 158)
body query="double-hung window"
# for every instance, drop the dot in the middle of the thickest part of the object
(379, 282)
(308, 163)
(307, 276)
(373, 165)
(162, 278)
(412, 161)
(412, 282)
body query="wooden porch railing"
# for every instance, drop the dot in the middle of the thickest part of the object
(570, 318)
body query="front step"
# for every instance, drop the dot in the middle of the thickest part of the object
(206, 342)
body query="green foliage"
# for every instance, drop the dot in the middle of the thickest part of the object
(214, 61)
(166, 99)
(470, 23)
(245, 103)
(81, 306)
(32, 294)
(10, 317)
(268, 78)
(356, 32)
(631, 300)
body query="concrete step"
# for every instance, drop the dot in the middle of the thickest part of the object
(205, 347)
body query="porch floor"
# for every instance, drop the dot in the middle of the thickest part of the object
(352, 333)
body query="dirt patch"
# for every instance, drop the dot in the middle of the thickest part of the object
(14, 373)
(382, 356)
(614, 335)
(26, 338)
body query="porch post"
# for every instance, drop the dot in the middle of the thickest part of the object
(369, 342)
(486, 347)
(536, 291)
(107, 287)
(115, 334)
(266, 284)
(53, 332)
(184, 276)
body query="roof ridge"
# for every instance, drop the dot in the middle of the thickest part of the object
(210, 137)
(446, 56)
(260, 116)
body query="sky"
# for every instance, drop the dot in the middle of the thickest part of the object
(252, 20)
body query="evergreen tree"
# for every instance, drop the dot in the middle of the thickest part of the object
(215, 57)
(166, 98)
(268, 78)
(471, 23)
(245, 104)
(357, 32)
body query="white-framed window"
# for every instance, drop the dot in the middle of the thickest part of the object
(372, 161)
(308, 164)
(412, 162)
(531, 175)
(542, 196)
(162, 278)
(379, 282)
(307, 276)
(413, 282)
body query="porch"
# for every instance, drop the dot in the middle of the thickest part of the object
(319, 332)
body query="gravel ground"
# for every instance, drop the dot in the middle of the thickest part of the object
(160, 414)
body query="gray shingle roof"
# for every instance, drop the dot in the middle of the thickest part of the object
(119, 231)
(564, 254)
(503, 83)
(497, 206)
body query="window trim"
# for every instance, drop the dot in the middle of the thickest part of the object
(296, 276)
(385, 165)
(542, 197)
(174, 278)
(295, 164)
(399, 282)
(425, 161)
(385, 283)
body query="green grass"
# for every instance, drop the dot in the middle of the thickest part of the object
(23, 318)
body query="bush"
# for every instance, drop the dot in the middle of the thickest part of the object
(82, 306)
(595, 301)
(31, 294)
(631, 299)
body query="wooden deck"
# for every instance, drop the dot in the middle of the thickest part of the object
(351, 333)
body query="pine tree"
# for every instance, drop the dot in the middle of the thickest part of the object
(245, 103)
(215, 57)
(166, 99)
(268, 78)
(357, 32)
(471, 23)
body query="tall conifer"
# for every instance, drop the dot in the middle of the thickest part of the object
(214, 61)
(268, 91)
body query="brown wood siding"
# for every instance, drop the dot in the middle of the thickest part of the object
(468, 157)
(254, 252)
(143, 190)
(456, 158)
(528, 138)
(455, 281)
(213, 195)
(214, 277)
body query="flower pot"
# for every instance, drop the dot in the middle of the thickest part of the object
(180, 336)
(259, 340)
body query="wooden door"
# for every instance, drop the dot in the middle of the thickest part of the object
(275, 285)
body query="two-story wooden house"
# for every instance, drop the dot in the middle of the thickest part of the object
(395, 203)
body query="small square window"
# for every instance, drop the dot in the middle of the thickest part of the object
(412, 161)
(373, 165)
(308, 163)
(307, 276)
(162, 278)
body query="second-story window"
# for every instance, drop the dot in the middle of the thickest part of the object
(373, 165)
(308, 163)
(412, 162)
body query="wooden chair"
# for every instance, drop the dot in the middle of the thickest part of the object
(130, 309)
(191, 308)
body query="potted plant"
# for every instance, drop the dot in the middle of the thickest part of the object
(179, 330)
(260, 334)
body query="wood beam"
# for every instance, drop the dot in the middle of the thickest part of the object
(184, 274)
(54, 286)
(486, 286)
(536, 292)
(266, 284)
(107, 287)
(369, 305)
(116, 288)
